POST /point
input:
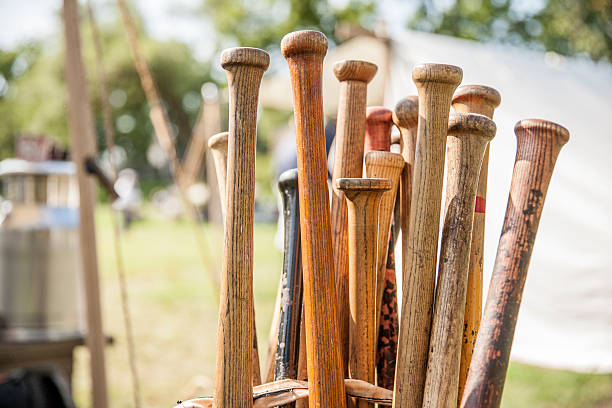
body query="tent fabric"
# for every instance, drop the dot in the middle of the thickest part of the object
(565, 320)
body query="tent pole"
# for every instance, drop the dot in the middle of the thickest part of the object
(82, 145)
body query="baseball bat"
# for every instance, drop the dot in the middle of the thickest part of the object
(406, 117)
(468, 137)
(218, 146)
(304, 52)
(383, 164)
(538, 145)
(363, 196)
(482, 100)
(234, 366)
(287, 351)
(348, 162)
(436, 84)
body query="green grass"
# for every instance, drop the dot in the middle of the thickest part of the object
(174, 313)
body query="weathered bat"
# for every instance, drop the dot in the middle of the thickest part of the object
(468, 137)
(538, 145)
(436, 84)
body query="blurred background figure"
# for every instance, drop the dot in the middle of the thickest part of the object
(130, 196)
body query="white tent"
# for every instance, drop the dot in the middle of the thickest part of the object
(566, 313)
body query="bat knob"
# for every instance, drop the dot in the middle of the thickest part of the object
(540, 127)
(406, 112)
(477, 93)
(471, 124)
(304, 42)
(288, 179)
(355, 70)
(439, 73)
(378, 114)
(383, 159)
(363, 184)
(218, 141)
(245, 56)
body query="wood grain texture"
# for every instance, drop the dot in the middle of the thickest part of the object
(379, 121)
(436, 84)
(538, 145)
(363, 196)
(304, 52)
(287, 352)
(468, 137)
(482, 100)
(388, 165)
(234, 375)
(354, 76)
(82, 145)
(218, 146)
(406, 118)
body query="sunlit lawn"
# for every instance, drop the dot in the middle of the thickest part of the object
(174, 313)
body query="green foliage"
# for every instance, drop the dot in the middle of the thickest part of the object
(568, 27)
(262, 23)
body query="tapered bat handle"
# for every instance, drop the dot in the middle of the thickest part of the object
(233, 376)
(304, 52)
(363, 197)
(538, 145)
(218, 147)
(406, 118)
(468, 137)
(482, 100)
(354, 76)
(287, 350)
(436, 84)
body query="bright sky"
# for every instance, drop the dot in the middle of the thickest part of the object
(22, 21)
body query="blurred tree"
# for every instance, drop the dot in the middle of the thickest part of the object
(262, 23)
(33, 95)
(567, 27)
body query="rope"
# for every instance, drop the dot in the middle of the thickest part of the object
(120, 264)
(164, 134)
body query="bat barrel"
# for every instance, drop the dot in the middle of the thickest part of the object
(538, 145)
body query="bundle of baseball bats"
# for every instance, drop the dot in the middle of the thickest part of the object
(337, 339)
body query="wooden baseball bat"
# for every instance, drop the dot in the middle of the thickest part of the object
(468, 137)
(218, 146)
(406, 117)
(482, 100)
(363, 196)
(304, 52)
(234, 367)
(379, 162)
(436, 84)
(538, 145)
(348, 162)
(287, 351)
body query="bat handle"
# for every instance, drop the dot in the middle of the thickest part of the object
(218, 147)
(234, 365)
(354, 76)
(538, 145)
(304, 52)
(287, 351)
(378, 129)
(363, 197)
